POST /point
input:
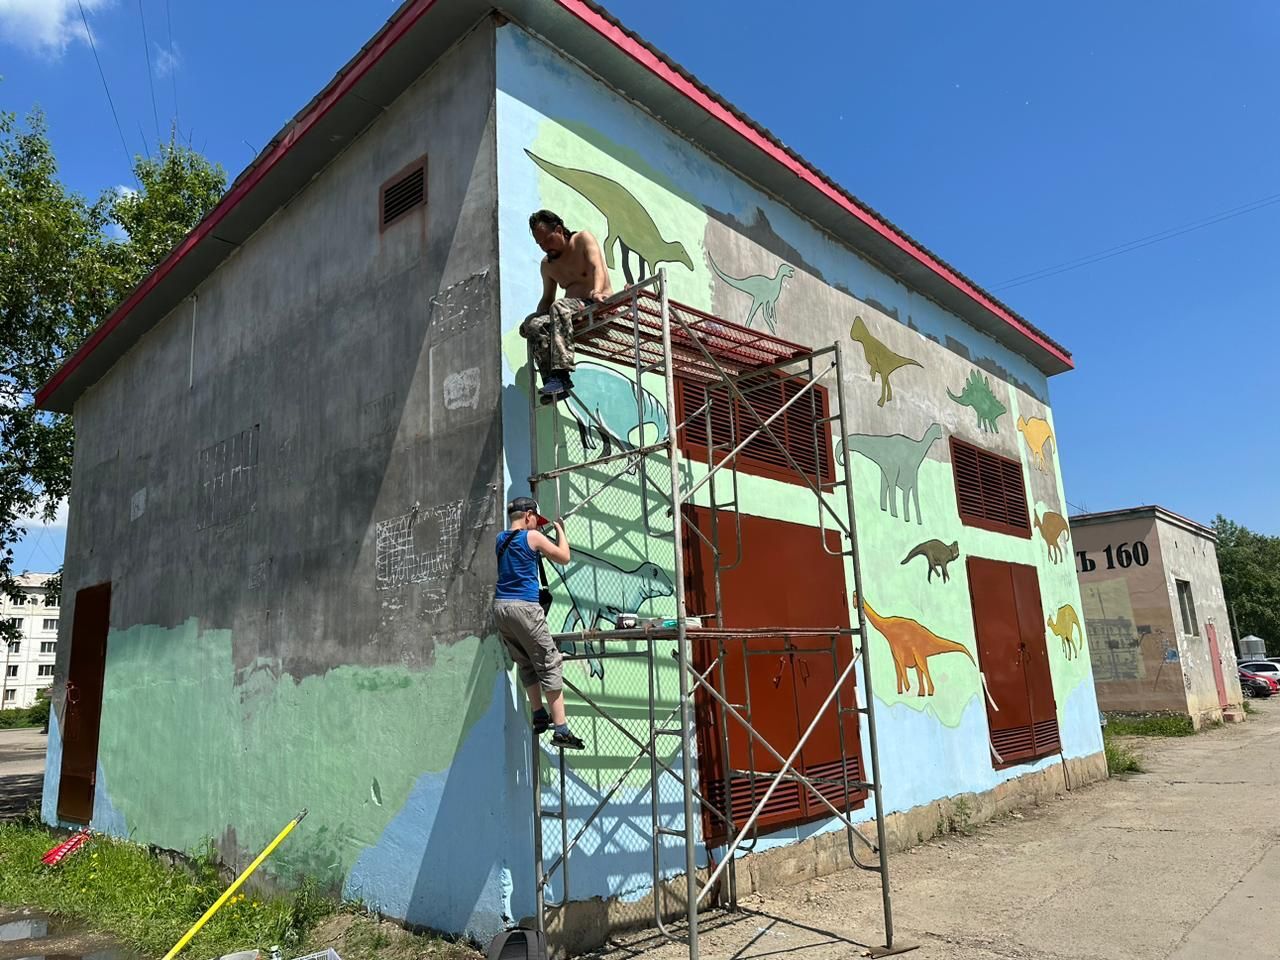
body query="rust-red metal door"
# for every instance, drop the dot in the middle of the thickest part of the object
(1215, 658)
(80, 718)
(785, 579)
(1035, 663)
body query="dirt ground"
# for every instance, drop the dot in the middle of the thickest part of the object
(1181, 862)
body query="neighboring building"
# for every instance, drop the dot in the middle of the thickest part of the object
(1155, 615)
(29, 661)
(295, 440)
(1252, 647)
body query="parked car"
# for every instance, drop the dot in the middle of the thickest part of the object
(1254, 685)
(1262, 667)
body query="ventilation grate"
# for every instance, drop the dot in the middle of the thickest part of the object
(404, 192)
(990, 491)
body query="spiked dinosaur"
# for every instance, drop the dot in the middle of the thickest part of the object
(912, 645)
(977, 394)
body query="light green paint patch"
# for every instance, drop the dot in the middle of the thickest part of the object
(232, 753)
(677, 216)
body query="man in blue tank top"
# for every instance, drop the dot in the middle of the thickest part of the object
(521, 622)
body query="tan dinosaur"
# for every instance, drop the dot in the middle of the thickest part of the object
(880, 358)
(1052, 526)
(1038, 432)
(912, 645)
(1063, 628)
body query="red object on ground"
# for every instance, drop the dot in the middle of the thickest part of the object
(65, 849)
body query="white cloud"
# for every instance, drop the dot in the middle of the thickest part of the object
(167, 60)
(114, 230)
(59, 519)
(45, 26)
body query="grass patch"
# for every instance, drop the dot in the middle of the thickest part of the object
(1149, 725)
(1120, 759)
(1248, 707)
(122, 889)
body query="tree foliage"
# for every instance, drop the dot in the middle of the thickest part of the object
(1250, 567)
(62, 272)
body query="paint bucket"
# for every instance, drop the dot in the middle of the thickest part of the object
(626, 621)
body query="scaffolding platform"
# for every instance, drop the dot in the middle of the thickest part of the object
(724, 367)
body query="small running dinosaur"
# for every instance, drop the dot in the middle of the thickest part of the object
(937, 554)
(764, 291)
(1052, 527)
(882, 361)
(1038, 433)
(1064, 629)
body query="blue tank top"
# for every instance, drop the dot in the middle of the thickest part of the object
(517, 568)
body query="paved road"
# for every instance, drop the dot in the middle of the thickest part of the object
(21, 770)
(1181, 862)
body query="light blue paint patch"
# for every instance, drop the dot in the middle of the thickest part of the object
(52, 771)
(442, 860)
(1081, 730)
(106, 818)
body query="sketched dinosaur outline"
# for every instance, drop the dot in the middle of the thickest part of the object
(899, 458)
(628, 223)
(764, 291)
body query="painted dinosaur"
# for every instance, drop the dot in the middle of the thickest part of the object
(937, 554)
(1064, 629)
(600, 591)
(912, 645)
(899, 459)
(977, 394)
(629, 224)
(1052, 527)
(1037, 432)
(882, 361)
(763, 291)
(603, 402)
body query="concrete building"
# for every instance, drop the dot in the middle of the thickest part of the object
(29, 661)
(294, 443)
(1155, 614)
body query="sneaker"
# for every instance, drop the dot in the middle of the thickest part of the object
(541, 723)
(565, 740)
(554, 387)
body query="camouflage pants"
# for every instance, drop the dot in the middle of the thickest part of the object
(551, 335)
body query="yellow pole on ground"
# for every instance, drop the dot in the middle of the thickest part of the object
(230, 891)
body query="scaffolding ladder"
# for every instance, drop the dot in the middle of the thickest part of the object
(641, 329)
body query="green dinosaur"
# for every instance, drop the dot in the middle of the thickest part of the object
(764, 292)
(880, 358)
(977, 394)
(629, 224)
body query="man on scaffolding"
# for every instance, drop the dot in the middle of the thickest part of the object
(572, 262)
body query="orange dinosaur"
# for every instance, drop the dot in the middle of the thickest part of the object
(912, 645)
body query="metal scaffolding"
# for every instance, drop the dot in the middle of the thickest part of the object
(721, 365)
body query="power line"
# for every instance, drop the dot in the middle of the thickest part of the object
(111, 103)
(1140, 242)
(151, 80)
(173, 67)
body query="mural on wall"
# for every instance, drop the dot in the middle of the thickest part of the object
(912, 645)
(977, 394)
(630, 227)
(603, 397)
(899, 458)
(937, 554)
(599, 591)
(1115, 640)
(1064, 627)
(1038, 435)
(880, 359)
(764, 291)
(1053, 527)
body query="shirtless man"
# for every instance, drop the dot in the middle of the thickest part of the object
(573, 262)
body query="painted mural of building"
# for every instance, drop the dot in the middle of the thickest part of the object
(1155, 614)
(295, 439)
(29, 660)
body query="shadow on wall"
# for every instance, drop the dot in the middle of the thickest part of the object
(515, 434)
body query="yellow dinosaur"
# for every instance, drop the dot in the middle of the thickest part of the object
(1064, 629)
(880, 358)
(912, 645)
(1038, 432)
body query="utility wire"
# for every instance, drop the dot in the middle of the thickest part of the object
(151, 79)
(173, 79)
(111, 103)
(1140, 242)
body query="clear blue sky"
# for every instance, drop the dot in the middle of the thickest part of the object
(1008, 137)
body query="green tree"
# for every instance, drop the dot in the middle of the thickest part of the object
(61, 274)
(1250, 567)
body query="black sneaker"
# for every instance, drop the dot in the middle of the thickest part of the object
(567, 741)
(541, 724)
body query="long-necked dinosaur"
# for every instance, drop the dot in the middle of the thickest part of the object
(880, 358)
(1052, 527)
(912, 645)
(1064, 629)
(764, 291)
(629, 223)
(977, 394)
(1038, 432)
(899, 458)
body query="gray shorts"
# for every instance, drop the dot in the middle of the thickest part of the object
(523, 628)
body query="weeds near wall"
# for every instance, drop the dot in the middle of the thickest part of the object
(1149, 725)
(1120, 759)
